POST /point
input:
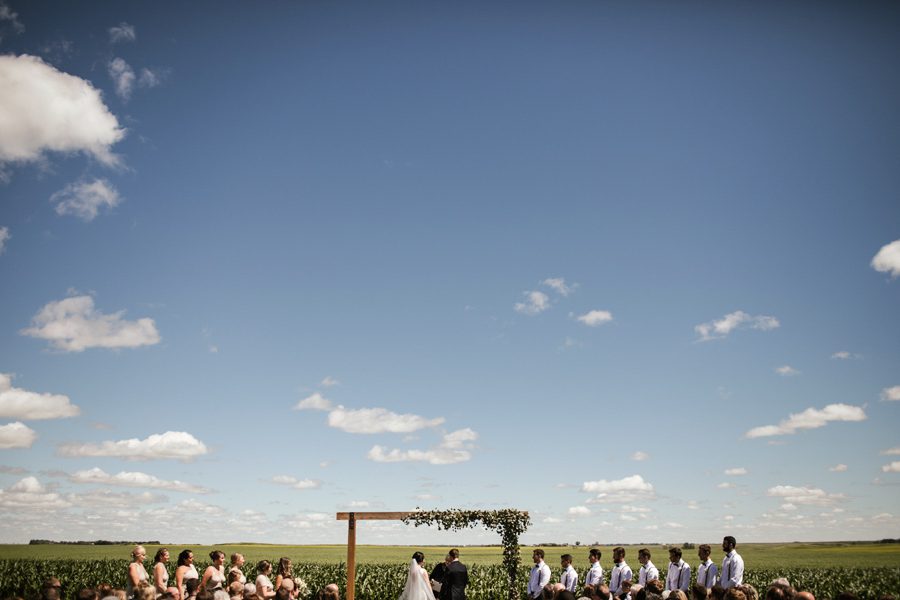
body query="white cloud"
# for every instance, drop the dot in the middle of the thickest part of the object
(552, 520)
(134, 479)
(891, 451)
(297, 484)
(359, 504)
(627, 489)
(315, 401)
(171, 444)
(579, 511)
(789, 507)
(123, 77)
(595, 318)
(535, 303)
(16, 435)
(4, 237)
(893, 467)
(673, 525)
(844, 355)
(85, 199)
(123, 32)
(108, 498)
(149, 78)
(726, 485)
(640, 455)
(891, 394)
(629, 518)
(627, 508)
(811, 418)
(803, 495)
(73, 325)
(51, 111)
(329, 381)
(736, 471)
(378, 420)
(559, 285)
(787, 371)
(888, 259)
(17, 403)
(720, 328)
(455, 447)
(29, 493)
(7, 14)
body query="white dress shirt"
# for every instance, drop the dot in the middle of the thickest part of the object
(679, 576)
(648, 572)
(569, 578)
(540, 576)
(594, 575)
(707, 573)
(732, 570)
(621, 572)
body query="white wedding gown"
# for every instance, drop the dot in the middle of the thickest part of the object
(417, 585)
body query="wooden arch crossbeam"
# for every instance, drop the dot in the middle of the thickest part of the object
(352, 518)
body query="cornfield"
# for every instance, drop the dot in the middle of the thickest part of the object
(23, 578)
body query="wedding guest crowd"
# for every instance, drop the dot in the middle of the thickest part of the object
(710, 581)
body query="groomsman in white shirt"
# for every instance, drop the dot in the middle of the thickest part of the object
(569, 576)
(707, 571)
(732, 564)
(540, 574)
(648, 571)
(595, 573)
(679, 574)
(621, 571)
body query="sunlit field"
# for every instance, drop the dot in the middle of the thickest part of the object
(756, 556)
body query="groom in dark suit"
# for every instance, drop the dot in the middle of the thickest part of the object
(455, 580)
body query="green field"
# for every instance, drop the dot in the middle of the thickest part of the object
(756, 556)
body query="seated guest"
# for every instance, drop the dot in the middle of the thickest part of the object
(236, 590)
(698, 592)
(735, 594)
(717, 592)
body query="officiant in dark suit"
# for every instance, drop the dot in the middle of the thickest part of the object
(438, 573)
(456, 579)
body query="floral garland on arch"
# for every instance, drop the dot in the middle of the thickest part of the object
(509, 523)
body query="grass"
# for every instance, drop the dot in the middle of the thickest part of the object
(756, 556)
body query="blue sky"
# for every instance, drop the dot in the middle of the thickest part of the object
(634, 268)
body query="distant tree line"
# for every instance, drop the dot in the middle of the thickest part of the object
(93, 543)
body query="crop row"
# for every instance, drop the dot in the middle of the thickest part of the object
(23, 578)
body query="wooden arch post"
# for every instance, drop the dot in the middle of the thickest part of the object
(352, 518)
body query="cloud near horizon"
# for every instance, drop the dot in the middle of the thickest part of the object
(178, 445)
(16, 435)
(18, 403)
(627, 489)
(297, 484)
(134, 479)
(455, 447)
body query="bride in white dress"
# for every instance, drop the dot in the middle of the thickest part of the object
(418, 587)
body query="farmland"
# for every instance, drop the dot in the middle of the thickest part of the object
(825, 569)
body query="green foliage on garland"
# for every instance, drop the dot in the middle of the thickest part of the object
(509, 523)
